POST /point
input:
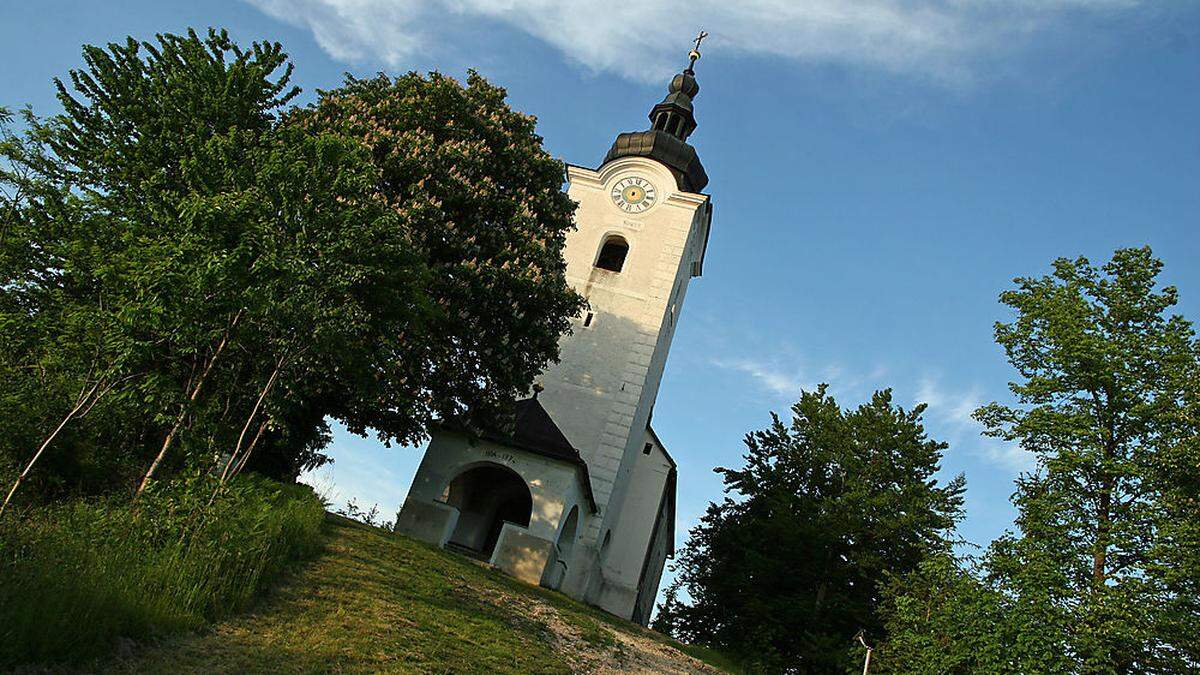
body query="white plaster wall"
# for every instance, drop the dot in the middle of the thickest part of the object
(634, 528)
(639, 509)
(601, 392)
(690, 252)
(553, 485)
(660, 545)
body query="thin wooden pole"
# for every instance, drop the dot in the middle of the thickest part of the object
(861, 638)
(249, 449)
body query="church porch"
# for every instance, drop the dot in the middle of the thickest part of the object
(501, 504)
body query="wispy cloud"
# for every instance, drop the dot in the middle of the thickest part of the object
(948, 416)
(1006, 454)
(941, 40)
(955, 407)
(776, 378)
(781, 372)
(950, 413)
(785, 373)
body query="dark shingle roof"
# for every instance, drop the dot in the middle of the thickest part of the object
(676, 155)
(535, 431)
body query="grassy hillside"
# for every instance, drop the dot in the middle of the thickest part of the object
(379, 602)
(78, 577)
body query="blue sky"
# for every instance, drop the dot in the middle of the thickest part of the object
(881, 170)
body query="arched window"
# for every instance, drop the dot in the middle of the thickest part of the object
(612, 254)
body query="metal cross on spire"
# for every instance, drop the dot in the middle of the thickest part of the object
(695, 53)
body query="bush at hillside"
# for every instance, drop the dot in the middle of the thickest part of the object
(76, 577)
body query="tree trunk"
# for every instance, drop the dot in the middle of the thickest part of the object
(822, 590)
(262, 426)
(195, 393)
(1103, 527)
(823, 585)
(83, 400)
(1104, 514)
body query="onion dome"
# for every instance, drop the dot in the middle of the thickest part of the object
(671, 122)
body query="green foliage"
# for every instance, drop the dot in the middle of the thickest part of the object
(481, 203)
(940, 604)
(788, 572)
(190, 270)
(76, 576)
(1103, 572)
(365, 516)
(117, 279)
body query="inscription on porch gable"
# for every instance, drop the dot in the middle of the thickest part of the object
(506, 457)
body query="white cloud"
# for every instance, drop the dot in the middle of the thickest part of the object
(778, 379)
(949, 415)
(1006, 454)
(938, 39)
(785, 374)
(954, 407)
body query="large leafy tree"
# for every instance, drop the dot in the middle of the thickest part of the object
(787, 570)
(199, 272)
(1108, 394)
(1103, 571)
(136, 239)
(481, 202)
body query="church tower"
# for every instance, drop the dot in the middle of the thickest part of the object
(642, 228)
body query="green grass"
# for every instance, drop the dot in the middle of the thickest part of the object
(76, 577)
(380, 602)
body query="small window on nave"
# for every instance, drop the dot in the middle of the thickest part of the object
(612, 254)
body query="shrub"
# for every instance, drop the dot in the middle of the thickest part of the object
(77, 576)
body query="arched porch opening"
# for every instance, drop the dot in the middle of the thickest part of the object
(486, 497)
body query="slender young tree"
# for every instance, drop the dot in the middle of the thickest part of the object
(110, 191)
(1102, 574)
(60, 357)
(1107, 398)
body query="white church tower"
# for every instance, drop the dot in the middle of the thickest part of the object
(581, 496)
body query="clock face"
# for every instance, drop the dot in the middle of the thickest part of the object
(633, 194)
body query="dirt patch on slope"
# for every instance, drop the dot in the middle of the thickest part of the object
(594, 647)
